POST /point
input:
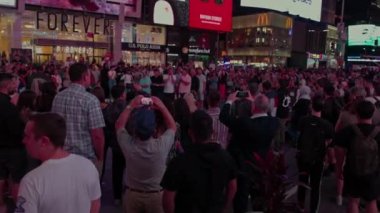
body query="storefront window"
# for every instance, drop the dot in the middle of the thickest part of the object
(6, 22)
(144, 44)
(65, 35)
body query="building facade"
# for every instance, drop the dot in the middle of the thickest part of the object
(261, 40)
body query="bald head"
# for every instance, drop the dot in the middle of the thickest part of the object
(261, 104)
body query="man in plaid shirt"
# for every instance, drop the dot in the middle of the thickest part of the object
(84, 118)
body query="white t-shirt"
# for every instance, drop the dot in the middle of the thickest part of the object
(182, 87)
(127, 78)
(62, 185)
(169, 85)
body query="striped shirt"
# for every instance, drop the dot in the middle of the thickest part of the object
(220, 133)
(82, 113)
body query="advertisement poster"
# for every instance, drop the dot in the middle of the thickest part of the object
(23, 56)
(111, 7)
(310, 9)
(170, 12)
(211, 14)
(8, 3)
(143, 34)
(147, 34)
(199, 43)
(128, 33)
(363, 35)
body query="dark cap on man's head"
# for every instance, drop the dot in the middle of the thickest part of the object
(142, 123)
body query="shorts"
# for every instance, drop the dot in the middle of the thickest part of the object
(13, 164)
(364, 187)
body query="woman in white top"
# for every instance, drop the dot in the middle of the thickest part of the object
(169, 84)
(127, 78)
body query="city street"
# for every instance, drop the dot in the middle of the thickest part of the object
(327, 195)
(161, 77)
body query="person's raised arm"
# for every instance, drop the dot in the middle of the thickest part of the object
(168, 118)
(225, 115)
(191, 102)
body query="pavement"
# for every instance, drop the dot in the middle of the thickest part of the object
(328, 194)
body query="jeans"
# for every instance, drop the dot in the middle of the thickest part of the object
(310, 175)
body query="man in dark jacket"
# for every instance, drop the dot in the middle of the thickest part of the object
(111, 114)
(315, 135)
(202, 179)
(257, 134)
(12, 151)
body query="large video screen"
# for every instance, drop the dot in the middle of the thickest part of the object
(110, 7)
(363, 35)
(211, 15)
(171, 12)
(8, 3)
(310, 9)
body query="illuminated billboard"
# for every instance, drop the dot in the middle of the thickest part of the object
(170, 12)
(363, 35)
(211, 14)
(111, 7)
(310, 9)
(8, 3)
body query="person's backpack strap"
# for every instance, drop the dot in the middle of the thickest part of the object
(372, 135)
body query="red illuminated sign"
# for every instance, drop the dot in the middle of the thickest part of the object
(211, 14)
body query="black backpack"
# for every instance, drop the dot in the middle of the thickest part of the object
(363, 158)
(312, 142)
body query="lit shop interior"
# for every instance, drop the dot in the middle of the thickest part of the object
(6, 24)
(144, 44)
(65, 35)
(260, 40)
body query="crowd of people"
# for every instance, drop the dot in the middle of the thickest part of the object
(183, 139)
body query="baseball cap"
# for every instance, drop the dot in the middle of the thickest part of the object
(142, 123)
